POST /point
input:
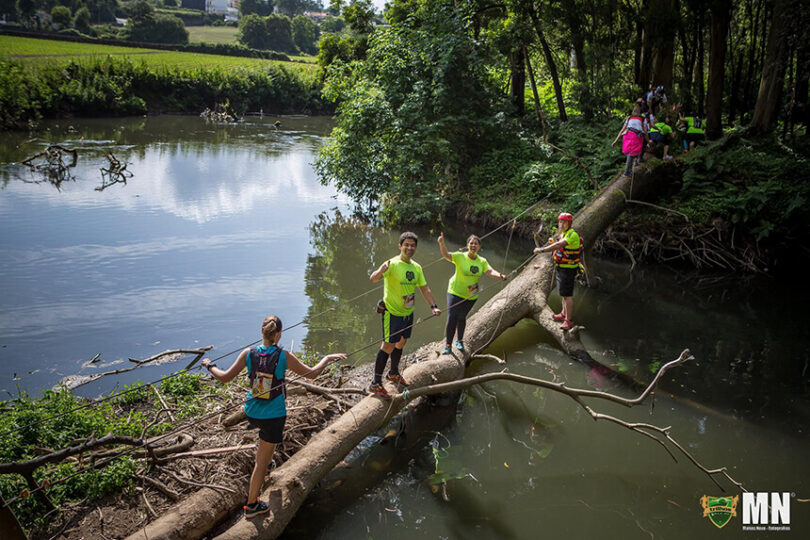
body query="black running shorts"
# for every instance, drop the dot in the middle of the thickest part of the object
(271, 430)
(395, 328)
(565, 280)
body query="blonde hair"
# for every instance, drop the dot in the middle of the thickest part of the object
(271, 326)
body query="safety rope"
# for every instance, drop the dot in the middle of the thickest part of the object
(146, 385)
(192, 423)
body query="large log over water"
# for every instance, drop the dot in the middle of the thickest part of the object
(525, 296)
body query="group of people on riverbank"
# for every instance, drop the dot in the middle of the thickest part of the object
(267, 363)
(650, 124)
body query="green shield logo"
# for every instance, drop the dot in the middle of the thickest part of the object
(719, 510)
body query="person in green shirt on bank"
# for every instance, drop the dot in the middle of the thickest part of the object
(402, 277)
(661, 133)
(566, 248)
(694, 131)
(462, 289)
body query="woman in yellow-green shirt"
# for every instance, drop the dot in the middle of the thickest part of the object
(462, 289)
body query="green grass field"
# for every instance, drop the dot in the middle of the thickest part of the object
(33, 52)
(212, 34)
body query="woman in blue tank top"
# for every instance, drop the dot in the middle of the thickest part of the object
(265, 406)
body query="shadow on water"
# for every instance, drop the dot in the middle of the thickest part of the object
(364, 468)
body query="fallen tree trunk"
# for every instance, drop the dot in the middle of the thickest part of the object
(524, 297)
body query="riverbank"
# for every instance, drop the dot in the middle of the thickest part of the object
(98, 83)
(201, 445)
(732, 205)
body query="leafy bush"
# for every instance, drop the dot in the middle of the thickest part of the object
(61, 16)
(279, 33)
(157, 29)
(253, 32)
(115, 86)
(754, 183)
(305, 34)
(184, 384)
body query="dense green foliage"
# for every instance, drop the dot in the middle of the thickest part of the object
(756, 184)
(61, 16)
(113, 86)
(145, 25)
(412, 115)
(439, 111)
(279, 33)
(272, 32)
(27, 424)
(305, 34)
(262, 8)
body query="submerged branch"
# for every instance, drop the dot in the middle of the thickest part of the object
(656, 433)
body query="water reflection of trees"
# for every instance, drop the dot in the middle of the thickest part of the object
(346, 250)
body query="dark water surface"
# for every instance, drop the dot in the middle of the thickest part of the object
(535, 465)
(221, 225)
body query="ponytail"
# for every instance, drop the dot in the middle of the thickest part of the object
(271, 326)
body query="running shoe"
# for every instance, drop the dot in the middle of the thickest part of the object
(379, 390)
(568, 324)
(559, 317)
(259, 507)
(447, 350)
(459, 345)
(396, 378)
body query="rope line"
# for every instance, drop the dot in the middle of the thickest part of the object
(191, 423)
(146, 385)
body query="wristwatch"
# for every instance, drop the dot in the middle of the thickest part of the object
(434, 306)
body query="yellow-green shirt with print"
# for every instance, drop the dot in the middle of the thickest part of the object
(464, 282)
(399, 287)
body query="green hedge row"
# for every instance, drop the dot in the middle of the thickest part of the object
(226, 49)
(120, 87)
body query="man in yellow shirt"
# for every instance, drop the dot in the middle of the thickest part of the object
(567, 249)
(402, 277)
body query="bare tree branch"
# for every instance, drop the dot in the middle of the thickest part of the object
(577, 394)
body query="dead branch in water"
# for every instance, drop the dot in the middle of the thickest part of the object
(656, 433)
(115, 173)
(74, 381)
(53, 166)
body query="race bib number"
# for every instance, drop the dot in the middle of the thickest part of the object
(408, 300)
(472, 290)
(261, 385)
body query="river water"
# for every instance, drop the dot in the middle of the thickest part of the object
(222, 224)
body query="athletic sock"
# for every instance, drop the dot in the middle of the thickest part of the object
(396, 354)
(379, 366)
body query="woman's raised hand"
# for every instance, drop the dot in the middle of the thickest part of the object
(441, 238)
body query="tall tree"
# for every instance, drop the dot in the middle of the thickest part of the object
(721, 16)
(517, 80)
(773, 68)
(552, 65)
(658, 39)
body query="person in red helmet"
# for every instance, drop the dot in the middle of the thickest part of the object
(566, 248)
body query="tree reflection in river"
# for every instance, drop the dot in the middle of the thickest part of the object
(347, 249)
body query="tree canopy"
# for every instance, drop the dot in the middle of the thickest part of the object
(439, 107)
